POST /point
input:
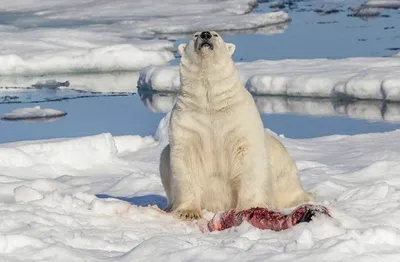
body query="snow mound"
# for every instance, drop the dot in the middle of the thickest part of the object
(78, 153)
(49, 210)
(361, 78)
(32, 113)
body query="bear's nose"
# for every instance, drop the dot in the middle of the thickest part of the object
(205, 35)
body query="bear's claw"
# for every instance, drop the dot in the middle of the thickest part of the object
(186, 214)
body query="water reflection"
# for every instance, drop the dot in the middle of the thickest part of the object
(360, 109)
(35, 120)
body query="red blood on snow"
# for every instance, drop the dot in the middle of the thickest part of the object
(263, 218)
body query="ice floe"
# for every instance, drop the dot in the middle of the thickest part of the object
(30, 113)
(361, 78)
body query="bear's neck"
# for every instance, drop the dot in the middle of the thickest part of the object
(210, 85)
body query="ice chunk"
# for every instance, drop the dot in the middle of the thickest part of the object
(362, 78)
(26, 194)
(373, 7)
(32, 113)
(79, 153)
(365, 11)
(88, 60)
(392, 4)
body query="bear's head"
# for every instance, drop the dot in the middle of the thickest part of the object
(206, 47)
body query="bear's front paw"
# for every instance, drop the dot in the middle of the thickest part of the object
(187, 214)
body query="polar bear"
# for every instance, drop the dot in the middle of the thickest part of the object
(219, 156)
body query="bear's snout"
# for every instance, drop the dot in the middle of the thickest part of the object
(205, 35)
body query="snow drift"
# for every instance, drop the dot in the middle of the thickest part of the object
(49, 210)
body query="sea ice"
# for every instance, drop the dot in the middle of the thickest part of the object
(393, 4)
(61, 37)
(374, 7)
(56, 51)
(32, 113)
(361, 78)
(49, 210)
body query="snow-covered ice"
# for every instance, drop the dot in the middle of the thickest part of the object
(29, 113)
(60, 37)
(394, 4)
(92, 10)
(49, 210)
(361, 77)
(39, 51)
(374, 7)
(142, 18)
(87, 198)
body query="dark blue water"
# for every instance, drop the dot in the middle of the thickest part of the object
(127, 115)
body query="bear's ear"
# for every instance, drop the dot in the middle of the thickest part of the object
(181, 48)
(231, 48)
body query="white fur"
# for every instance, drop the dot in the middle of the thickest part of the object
(219, 156)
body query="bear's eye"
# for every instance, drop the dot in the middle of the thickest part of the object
(196, 35)
(215, 35)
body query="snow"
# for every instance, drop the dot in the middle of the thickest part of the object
(98, 198)
(64, 37)
(361, 78)
(359, 109)
(32, 113)
(144, 19)
(54, 51)
(121, 9)
(55, 204)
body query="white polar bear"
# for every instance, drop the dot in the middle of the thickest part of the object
(220, 156)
